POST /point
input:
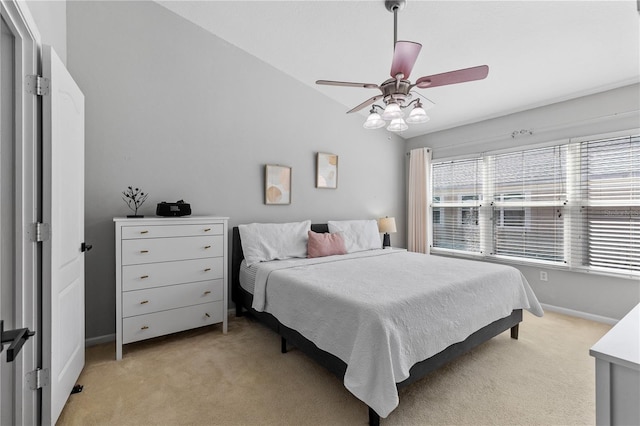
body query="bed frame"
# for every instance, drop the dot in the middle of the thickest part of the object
(243, 301)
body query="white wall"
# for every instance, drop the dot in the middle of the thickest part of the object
(185, 115)
(610, 111)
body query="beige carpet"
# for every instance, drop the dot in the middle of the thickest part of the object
(202, 377)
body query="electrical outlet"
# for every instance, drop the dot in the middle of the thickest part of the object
(543, 276)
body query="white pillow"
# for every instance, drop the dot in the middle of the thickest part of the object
(270, 241)
(359, 235)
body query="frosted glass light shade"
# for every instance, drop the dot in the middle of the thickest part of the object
(392, 111)
(418, 115)
(397, 125)
(374, 121)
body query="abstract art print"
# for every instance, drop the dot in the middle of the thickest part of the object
(327, 171)
(277, 188)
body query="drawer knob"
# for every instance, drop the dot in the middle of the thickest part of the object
(207, 315)
(207, 269)
(144, 276)
(144, 232)
(207, 292)
(144, 327)
(207, 247)
(144, 251)
(207, 230)
(144, 302)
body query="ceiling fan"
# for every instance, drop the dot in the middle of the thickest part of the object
(396, 92)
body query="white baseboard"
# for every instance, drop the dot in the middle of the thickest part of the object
(579, 314)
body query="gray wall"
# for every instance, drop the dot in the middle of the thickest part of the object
(156, 89)
(185, 115)
(50, 18)
(610, 111)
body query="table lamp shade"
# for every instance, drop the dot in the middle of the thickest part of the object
(387, 225)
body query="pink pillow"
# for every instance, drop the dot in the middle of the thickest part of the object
(325, 244)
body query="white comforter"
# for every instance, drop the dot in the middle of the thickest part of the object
(382, 311)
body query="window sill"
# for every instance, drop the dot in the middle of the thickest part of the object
(534, 263)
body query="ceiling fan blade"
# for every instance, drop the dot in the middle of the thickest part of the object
(347, 84)
(453, 77)
(405, 54)
(365, 103)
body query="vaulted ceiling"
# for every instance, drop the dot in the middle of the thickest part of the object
(538, 52)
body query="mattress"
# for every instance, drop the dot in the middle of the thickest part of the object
(247, 276)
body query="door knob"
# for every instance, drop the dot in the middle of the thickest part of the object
(85, 247)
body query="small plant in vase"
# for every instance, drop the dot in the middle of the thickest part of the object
(134, 197)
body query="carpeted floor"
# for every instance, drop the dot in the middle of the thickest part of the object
(202, 377)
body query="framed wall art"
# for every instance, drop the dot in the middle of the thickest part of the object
(326, 170)
(277, 187)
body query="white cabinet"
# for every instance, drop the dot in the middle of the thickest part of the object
(171, 275)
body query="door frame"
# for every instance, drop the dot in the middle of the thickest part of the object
(28, 205)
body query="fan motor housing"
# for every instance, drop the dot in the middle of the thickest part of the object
(397, 90)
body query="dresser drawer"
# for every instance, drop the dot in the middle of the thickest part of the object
(161, 231)
(147, 275)
(141, 302)
(159, 323)
(168, 249)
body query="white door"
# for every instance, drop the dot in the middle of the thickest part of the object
(63, 260)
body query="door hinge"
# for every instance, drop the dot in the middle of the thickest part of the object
(38, 378)
(37, 85)
(41, 232)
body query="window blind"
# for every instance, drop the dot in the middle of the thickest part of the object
(529, 192)
(609, 187)
(457, 195)
(576, 205)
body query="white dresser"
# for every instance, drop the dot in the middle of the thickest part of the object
(617, 357)
(171, 275)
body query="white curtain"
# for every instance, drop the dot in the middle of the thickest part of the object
(418, 221)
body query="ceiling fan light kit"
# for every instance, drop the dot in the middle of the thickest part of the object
(374, 121)
(396, 92)
(397, 125)
(392, 111)
(417, 114)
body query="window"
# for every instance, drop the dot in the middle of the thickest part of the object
(610, 208)
(510, 216)
(437, 213)
(469, 215)
(529, 193)
(513, 217)
(574, 205)
(456, 199)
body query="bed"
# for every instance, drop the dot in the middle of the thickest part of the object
(385, 342)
